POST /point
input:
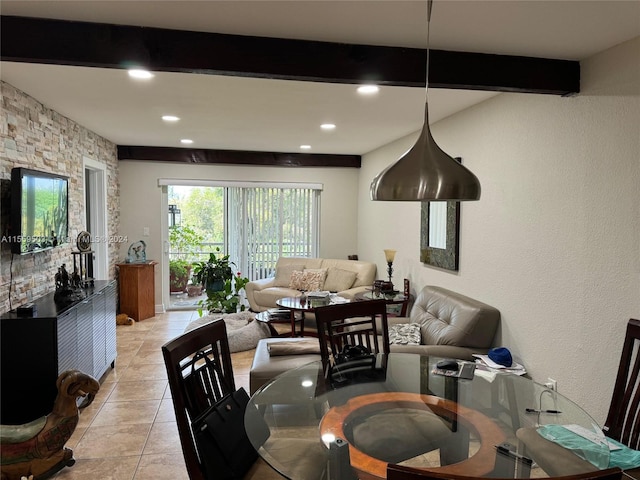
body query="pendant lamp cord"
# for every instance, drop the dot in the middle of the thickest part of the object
(426, 85)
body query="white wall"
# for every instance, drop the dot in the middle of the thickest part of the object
(140, 197)
(554, 242)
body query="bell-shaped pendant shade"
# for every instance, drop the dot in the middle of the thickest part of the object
(425, 173)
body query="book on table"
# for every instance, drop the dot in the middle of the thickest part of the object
(278, 313)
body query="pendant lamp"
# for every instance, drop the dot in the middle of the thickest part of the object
(425, 172)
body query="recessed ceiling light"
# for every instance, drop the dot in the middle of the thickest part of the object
(327, 126)
(170, 118)
(186, 141)
(140, 74)
(305, 147)
(368, 89)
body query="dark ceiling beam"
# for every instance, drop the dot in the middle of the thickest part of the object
(236, 157)
(36, 40)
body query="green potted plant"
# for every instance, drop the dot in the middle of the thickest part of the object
(226, 300)
(184, 242)
(214, 272)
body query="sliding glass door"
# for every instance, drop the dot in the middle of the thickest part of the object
(254, 223)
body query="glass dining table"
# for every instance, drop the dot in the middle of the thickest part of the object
(402, 408)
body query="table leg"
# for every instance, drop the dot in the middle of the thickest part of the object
(272, 330)
(456, 449)
(510, 464)
(292, 318)
(339, 461)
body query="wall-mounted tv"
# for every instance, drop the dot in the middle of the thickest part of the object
(39, 210)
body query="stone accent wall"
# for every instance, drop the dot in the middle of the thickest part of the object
(34, 136)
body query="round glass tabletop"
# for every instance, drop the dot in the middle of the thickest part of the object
(401, 408)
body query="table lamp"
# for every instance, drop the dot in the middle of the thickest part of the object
(389, 255)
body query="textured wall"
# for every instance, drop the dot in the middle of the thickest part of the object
(554, 242)
(34, 136)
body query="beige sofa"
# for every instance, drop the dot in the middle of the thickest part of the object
(450, 324)
(346, 277)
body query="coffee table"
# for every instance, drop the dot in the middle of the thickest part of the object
(295, 305)
(269, 319)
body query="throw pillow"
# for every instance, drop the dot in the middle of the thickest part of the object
(338, 280)
(283, 274)
(310, 280)
(404, 334)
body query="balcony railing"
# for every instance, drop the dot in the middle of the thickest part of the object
(262, 260)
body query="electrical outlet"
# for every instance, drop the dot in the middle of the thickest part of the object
(551, 384)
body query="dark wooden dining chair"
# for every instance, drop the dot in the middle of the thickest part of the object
(622, 423)
(197, 384)
(394, 434)
(402, 472)
(356, 324)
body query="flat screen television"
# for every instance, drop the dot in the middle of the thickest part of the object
(39, 210)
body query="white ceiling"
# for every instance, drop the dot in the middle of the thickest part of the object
(277, 115)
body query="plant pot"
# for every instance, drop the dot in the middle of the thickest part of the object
(194, 290)
(215, 286)
(178, 282)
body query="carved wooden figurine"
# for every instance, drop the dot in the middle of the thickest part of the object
(37, 448)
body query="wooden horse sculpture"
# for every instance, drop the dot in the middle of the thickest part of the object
(36, 449)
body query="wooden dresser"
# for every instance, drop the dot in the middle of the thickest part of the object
(137, 289)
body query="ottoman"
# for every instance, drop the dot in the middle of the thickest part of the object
(266, 366)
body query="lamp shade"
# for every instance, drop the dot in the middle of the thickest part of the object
(389, 255)
(425, 173)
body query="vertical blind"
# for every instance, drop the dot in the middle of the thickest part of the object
(267, 223)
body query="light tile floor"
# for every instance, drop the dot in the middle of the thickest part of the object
(129, 432)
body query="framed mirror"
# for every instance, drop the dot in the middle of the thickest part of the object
(439, 232)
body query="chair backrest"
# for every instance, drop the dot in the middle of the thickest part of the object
(401, 472)
(354, 323)
(200, 373)
(622, 422)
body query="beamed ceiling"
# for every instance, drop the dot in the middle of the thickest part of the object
(269, 79)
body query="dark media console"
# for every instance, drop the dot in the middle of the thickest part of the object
(36, 348)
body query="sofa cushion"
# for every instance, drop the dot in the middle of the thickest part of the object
(404, 334)
(283, 274)
(310, 280)
(338, 279)
(450, 318)
(267, 297)
(365, 271)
